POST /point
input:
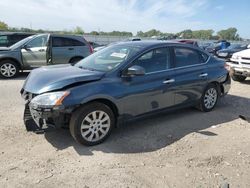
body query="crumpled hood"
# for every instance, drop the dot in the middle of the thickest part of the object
(4, 49)
(243, 53)
(56, 77)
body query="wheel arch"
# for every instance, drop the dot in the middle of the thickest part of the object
(12, 59)
(111, 104)
(75, 57)
(219, 86)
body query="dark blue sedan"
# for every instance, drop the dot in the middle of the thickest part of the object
(120, 83)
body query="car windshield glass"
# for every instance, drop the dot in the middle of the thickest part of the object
(108, 58)
(21, 42)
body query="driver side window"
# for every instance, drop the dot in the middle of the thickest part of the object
(40, 41)
(155, 60)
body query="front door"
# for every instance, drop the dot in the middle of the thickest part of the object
(152, 91)
(34, 53)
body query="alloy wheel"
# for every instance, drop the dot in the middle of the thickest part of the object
(8, 70)
(210, 98)
(95, 126)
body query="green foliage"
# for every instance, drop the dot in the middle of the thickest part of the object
(94, 33)
(186, 34)
(203, 34)
(78, 30)
(229, 34)
(150, 33)
(3, 26)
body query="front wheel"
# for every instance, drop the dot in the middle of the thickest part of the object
(92, 123)
(238, 78)
(8, 69)
(209, 98)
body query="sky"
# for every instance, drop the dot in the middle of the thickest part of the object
(128, 15)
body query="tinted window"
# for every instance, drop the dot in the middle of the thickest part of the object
(155, 60)
(40, 41)
(61, 42)
(187, 57)
(3, 40)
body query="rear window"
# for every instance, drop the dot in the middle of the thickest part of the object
(61, 42)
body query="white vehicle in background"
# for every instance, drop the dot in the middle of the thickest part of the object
(240, 65)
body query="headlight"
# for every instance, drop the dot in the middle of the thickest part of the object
(50, 99)
(236, 57)
(223, 54)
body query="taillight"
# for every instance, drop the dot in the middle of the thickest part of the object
(91, 50)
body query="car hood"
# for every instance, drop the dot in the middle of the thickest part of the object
(243, 53)
(4, 49)
(229, 50)
(56, 77)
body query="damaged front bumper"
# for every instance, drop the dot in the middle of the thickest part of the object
(37, 118)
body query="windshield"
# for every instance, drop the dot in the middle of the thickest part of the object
(108, 58)
(21, 42)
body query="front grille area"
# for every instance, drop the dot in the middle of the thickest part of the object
(234, 62)
(246, 58)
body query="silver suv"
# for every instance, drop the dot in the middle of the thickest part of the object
(41, 50)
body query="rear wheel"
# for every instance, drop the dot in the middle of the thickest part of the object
(209, 98)
(238, 78)
(92, 123)
(9, 69)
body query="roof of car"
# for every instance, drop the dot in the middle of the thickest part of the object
(152, 43)
(147, 43)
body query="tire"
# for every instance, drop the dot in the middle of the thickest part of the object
(238, 78)
(9, 69)
(75, 60)
(209, 98)
(88, 130)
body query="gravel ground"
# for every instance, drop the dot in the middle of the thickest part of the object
(186, 148)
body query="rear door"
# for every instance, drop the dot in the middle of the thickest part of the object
(34, 52)
(64, 49)
(154, 90)
(190, 74)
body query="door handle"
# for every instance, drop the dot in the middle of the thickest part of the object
(41, 50)
(203, 75)
(168, 81)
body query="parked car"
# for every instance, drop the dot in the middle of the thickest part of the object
(94, 44)
(126, 40)
(120, 83)
(8, 38)
(205, 45)
(228, 52)
(219, 45)
(191, 42)
(240, 65)
(40, 50)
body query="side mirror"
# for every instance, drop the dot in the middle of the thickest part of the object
(135, 71)
(26, 47)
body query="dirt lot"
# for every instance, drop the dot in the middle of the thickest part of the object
(187, 148)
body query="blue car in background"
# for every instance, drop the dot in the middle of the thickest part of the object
(122, 82)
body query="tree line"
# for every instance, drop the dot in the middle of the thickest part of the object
(209, 34)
